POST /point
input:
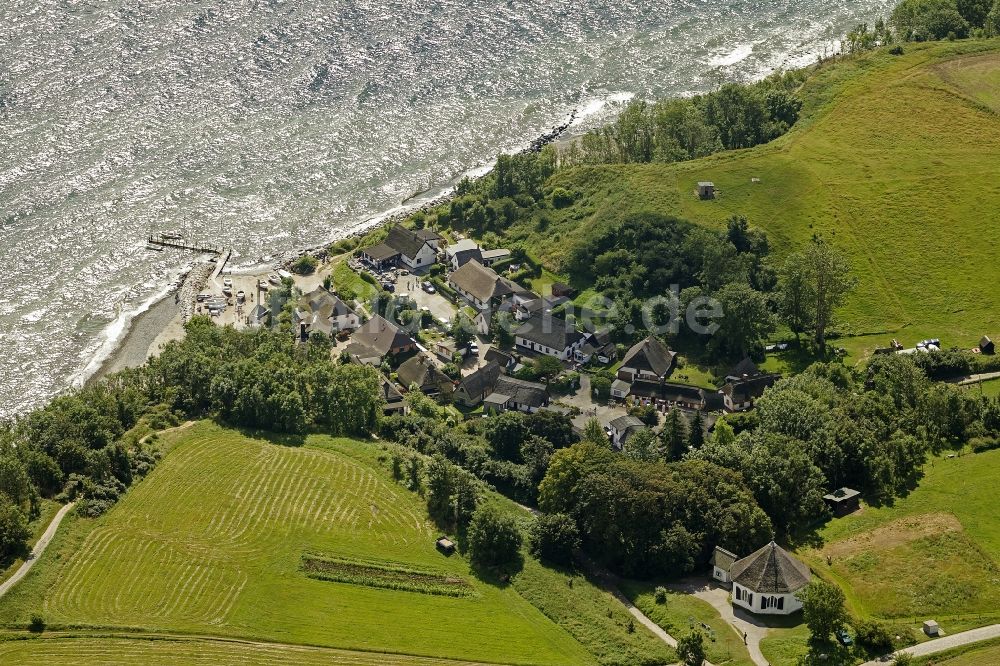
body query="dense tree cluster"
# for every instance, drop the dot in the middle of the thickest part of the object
(924, 20)
(510, 452)
(651, 518)
(90, 444)
(673, 130)
(822, 430)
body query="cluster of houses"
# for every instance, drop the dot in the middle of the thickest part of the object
(643, 376)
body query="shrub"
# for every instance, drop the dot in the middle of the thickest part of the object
(896, 50)
(37, 623)
(601, 384)
(305, 265)
(660, 594)
(14, 532)
(554, 537)
(903, 659)
(873, 636)
(494, 537)
(561, 197)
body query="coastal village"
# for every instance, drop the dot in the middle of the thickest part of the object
(423, 286)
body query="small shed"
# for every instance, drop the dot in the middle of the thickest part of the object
(843, 501)
(986, 345)
(722, 561)
(620, 388)
(931, 628)
(445, 545)
(706, 189)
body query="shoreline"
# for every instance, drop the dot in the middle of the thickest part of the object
(145, 331)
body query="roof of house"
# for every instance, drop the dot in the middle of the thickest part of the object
(420, 370)
(482, 380)
(723, 559)
(985, 341)
(481, 282)
(770, 570)
(495, 255)
(381, 252)
(625, 422)
(259, 313)
(501, 358)
(381, 336)
(621, 386)
(746, 367)
(390, 392)
(325, 303)
(706, 183)
(650, 354)
(428, 235)
(462, 257)
(462, 246)
(549, 331)
(404, 241)
(742, 390)
(521, 391)
(671, 391)
(842, 494)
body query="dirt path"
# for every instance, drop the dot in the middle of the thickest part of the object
(745, 625)
(946, 643)
(37, 551)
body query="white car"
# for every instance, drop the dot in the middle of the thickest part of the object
(474, 349)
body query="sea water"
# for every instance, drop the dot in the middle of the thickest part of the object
(266, 125)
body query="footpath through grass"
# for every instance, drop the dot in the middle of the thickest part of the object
(211, 543)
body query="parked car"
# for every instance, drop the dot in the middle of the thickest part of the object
(388, 286)
(843, 637)
(427, 286)
(474, 348)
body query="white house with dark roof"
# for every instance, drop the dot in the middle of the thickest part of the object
(722, 563)
(483, 288)
(766, 581)
(548, 335)
(624, 427)
(414, 248)
(510, 394)
(649, 361)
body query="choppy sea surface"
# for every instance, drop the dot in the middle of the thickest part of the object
(267, 125)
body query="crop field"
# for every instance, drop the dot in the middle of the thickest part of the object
(896, 160)
(152, 651)
(212, 543)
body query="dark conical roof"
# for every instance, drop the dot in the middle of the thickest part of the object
(770, 570)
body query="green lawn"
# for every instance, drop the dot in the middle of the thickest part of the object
(980, 654)
(346, 280)
(896, 160)
(683, 612)
(211, 544)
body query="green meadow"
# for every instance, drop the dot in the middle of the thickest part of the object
(212, 544)
(933, 554)
(896, 160)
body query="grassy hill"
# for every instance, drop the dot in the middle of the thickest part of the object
(934, 554)
(896, 160)
(212, 544)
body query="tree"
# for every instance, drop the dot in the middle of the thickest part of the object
(675, 435)
(505, 433)
(827, 281)
(494, 536)
(691, 649)
(974, 11)
(547, 367)
(14, 532)
(746, 319)
(601, 386)
(593, 432)
(992, 23)
(822, 609)
(697, 436)
(795, 301)
(554, 538)
(642, 445)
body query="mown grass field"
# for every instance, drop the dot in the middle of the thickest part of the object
(934, 554)
(896, 160)
(211, 543)
(70, 650)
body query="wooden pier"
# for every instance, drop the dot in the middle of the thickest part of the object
(177, 242)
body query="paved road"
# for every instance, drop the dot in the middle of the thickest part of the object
(946, 643)
(743, 623)
(37, 551)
